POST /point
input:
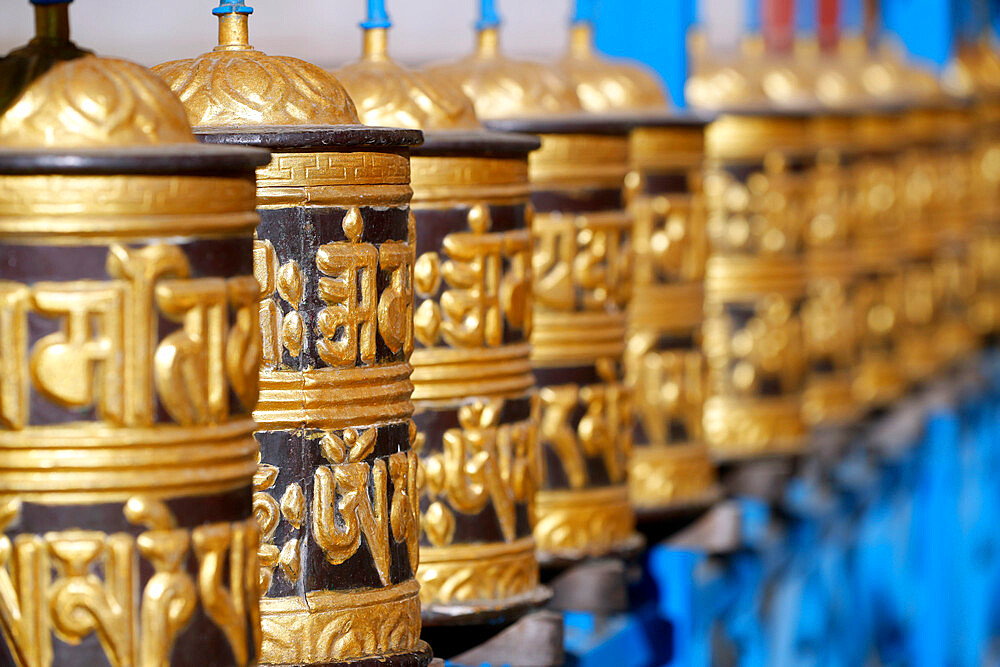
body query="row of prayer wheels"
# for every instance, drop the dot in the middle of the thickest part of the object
(279, 386)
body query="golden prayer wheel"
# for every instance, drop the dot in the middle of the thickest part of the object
(882, 250)
(129, 348)
(828, 317)
(476, 408)
(940, 281)
(670, 468)
(336, 487)
(581, 260)
(756, 187)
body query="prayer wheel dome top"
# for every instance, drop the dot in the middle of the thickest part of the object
(604, 85)
(236, 85)
(92, 102)
(391, 95)
(502, 87)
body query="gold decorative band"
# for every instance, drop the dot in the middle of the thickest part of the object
(881, 253)
(444, 373)
(338, 626)
(918, 354)
(75, 463)
(667, 147)
(123, 206)
(583, 522)
(728, 278)
(337, 168)
(334, 398)
(828, 399)
(660, 476)
(565, 337)
(667, 307)
(742, 427)
(436, 179)
(580, 159)
(836, 263)
(334, 195)
(735, 137)
(472, 572)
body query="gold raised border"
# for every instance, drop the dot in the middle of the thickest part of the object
(748, 427)
(336, 626)
(583, 522)
(665, 475)
(472, 572)
(437, 179)
(579, 160)
(442, 373)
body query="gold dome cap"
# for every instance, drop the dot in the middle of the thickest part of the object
(65, 97)
(236, 85)
(391, 95)
(501, 87)
(604, 85)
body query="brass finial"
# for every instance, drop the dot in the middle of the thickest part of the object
(234, 32)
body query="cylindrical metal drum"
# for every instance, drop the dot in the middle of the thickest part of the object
(665, 365)
(475, 403)
(755, 283)
(828, 317)
(985, 250)
(670, 470)
(336, 488)
(881, 250)
(937, 200)
(582, 256)
(580, 269)
(128, 347)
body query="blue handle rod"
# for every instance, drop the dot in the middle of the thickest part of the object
(231, 7)
(377, 16)
(488, 17)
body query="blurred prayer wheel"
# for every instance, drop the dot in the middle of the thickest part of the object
(476, 408)
(828, 317)
(883, 247)
(756, 187)
(670, 468)
(129, 348)
(336, 488)
(581, 264)
(940, 280)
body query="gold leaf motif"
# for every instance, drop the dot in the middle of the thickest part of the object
(427, 274)
(439, 524)
(291, 333)
(427, 323)
(353, 224)
(289, 560)
(290, 282)
(293, 505)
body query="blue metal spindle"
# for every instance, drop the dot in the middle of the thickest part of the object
(488, 17)
(231, 7)
(377, 16)
(585, 12)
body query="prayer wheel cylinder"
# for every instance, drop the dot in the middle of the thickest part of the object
(476, 411)
(128, 348)
(336, 487)
(756, 188)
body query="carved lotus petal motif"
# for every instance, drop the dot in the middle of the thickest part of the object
(293, 505)
(290, 282)
(439, 524)
(264, 478)
(291, 333)
(354, 224)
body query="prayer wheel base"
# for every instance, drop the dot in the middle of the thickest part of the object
(419, 657)
(534, 639)
(480, 612)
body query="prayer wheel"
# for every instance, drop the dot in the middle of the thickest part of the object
(581, 263)
(755, 282)
(670, 468)
(476, 411)
(883, 250)
(127, 369)
(828, 317)
(335, 491)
